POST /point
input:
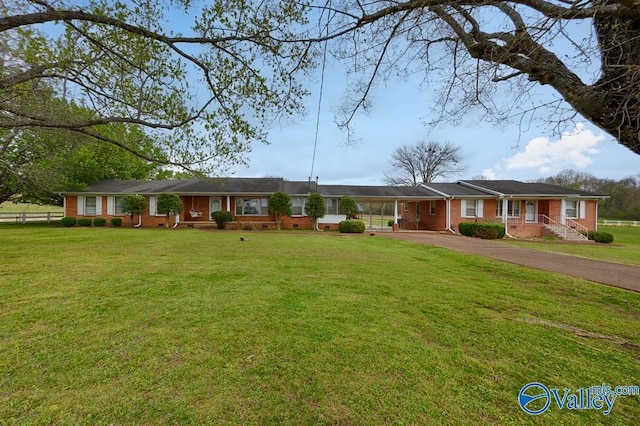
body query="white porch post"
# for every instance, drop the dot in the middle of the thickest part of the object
(229, 203)
(505, 207)
(448, 213)
(395, 227)
(395, 211)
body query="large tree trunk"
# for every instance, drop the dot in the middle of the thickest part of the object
(619, 41)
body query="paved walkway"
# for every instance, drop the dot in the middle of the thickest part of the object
(613, 274)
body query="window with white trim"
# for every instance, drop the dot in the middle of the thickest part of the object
(333, 206)
(418, 210)
(117, 205)
(432, 207)
(471, 208)
(513, 208)
(251, 206)
(297, 206)
(90, 205)
(571, 209)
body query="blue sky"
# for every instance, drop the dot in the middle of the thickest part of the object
(397, 117)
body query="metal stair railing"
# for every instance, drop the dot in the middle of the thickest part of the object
(556, 227)
(564, 230)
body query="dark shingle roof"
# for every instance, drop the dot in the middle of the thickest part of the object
(456, 190)
(267, 186)
(191, 186)
(517, 188)
(377, 192)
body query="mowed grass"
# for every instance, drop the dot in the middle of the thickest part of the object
(624, 249)
(124, 326)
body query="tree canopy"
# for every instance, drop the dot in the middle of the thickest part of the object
(38, 164)
(586, 51)
(203, 91)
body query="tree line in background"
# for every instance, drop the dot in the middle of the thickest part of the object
(624, 194)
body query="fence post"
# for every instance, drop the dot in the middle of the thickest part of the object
(48, 217)
(24, 218)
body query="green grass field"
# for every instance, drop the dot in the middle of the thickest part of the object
(152, 326)
(8, 206)
(624, 249)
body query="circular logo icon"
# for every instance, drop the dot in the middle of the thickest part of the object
(534, 398)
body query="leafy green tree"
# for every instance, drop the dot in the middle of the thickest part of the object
(315, 208)
(349, 207)
(123, 62)
(168, 204)
(133, 205)
(36, 164)
(279, 205)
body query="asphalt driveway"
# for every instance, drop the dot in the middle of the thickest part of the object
(613, 274)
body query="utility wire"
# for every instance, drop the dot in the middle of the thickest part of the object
(324, 63)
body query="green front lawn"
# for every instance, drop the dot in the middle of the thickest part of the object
(624, 249)
(181, 327)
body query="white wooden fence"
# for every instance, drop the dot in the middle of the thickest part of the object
(608, 222)
(24, 217)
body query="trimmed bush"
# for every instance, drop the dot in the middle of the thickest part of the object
(84, 221)
(221, 218)
(600, 237)
(466, 229)
(484, 230)
(68, 221)
(351, 227)
(390, 223)
(99, 221)
(116, 221)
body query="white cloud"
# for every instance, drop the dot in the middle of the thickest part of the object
(489, 174)
(572, 150)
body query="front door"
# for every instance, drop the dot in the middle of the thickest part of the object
(530, 214)
(216, 205)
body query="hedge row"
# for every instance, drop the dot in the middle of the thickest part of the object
(351, 226)
(69, 221)
(599, 237)
(484, 230)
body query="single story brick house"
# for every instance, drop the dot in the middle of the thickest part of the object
(527, 209)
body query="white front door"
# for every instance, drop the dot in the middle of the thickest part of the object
(216, 205)
(530, 214)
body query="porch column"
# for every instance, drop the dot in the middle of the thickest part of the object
(396, 227)
(229, 203)
(505, 208)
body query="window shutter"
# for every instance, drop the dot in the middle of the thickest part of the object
(152, 206)
(463, 208)
(80, 205)
(479, 207)
(111, 206)
(98, 206)
(582, 209)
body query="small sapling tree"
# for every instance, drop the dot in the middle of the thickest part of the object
(169, 204)
(133, 205)
(279, 205)
(315, 208)
(349, 207)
